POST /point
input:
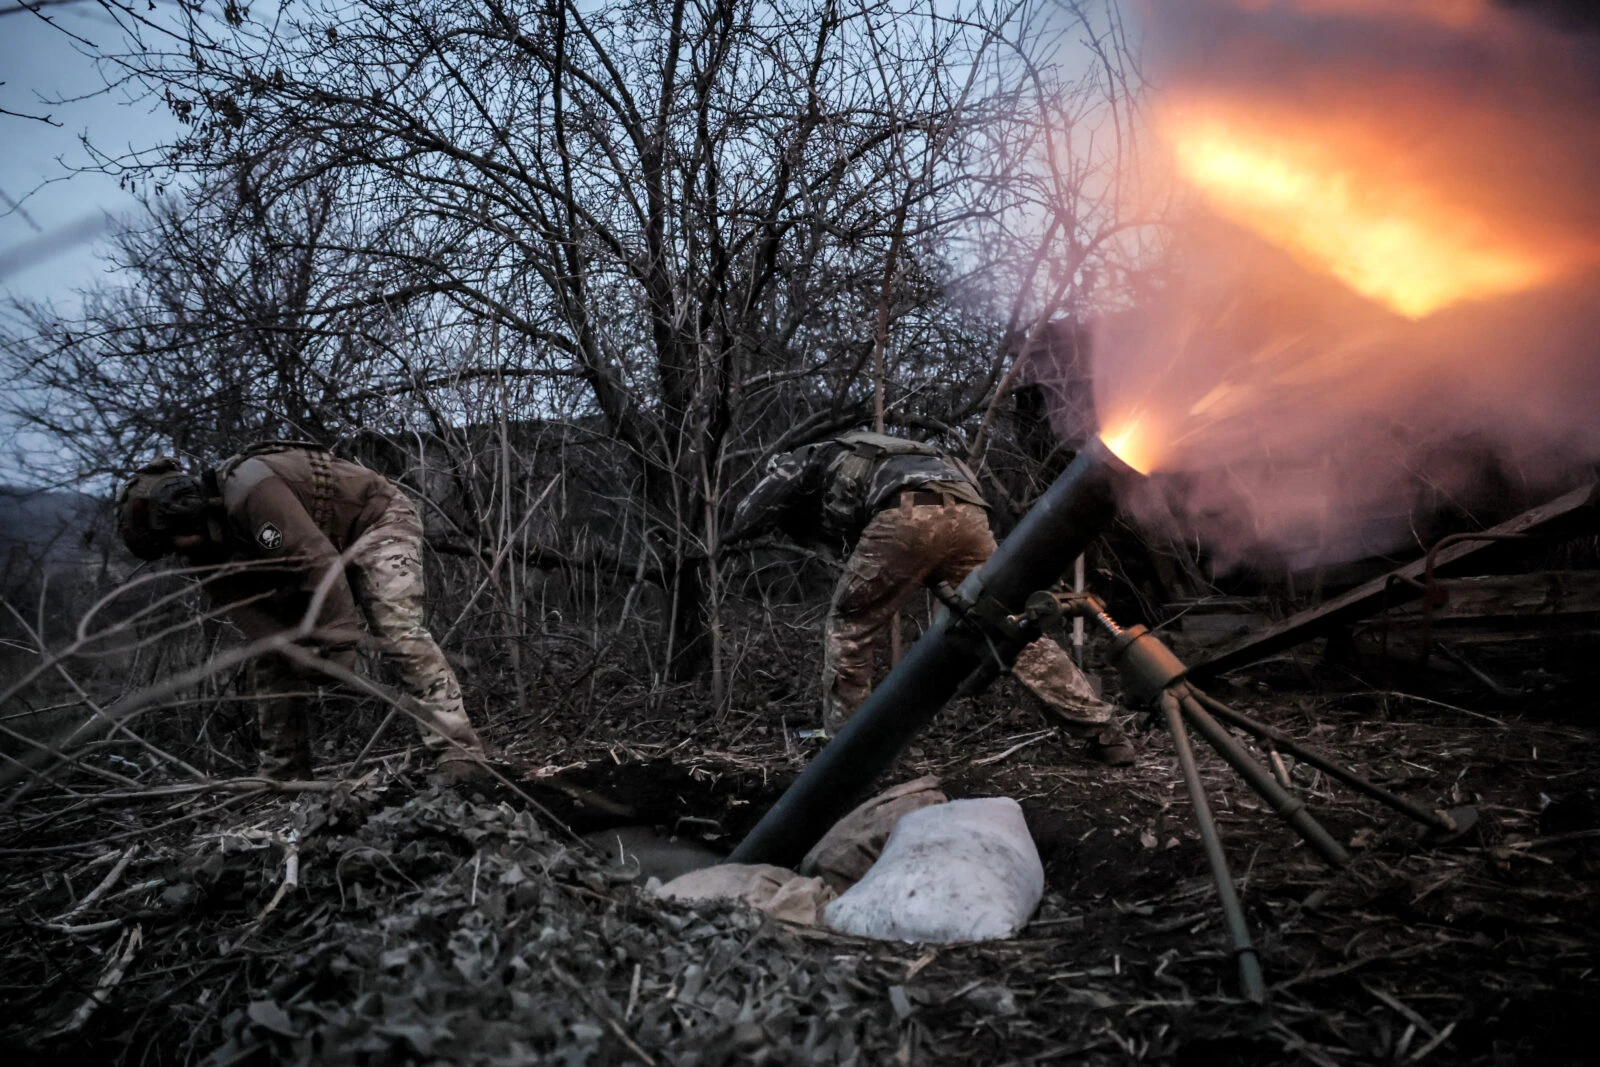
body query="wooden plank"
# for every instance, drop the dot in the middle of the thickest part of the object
(1409, 643)
(1366, 599)
(1512, 596)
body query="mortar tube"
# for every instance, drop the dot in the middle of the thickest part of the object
(1076, 508)
(1251, 982)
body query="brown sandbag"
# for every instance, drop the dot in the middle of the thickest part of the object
(855, 842)
(778, 891)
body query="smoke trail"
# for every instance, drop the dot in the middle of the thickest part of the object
(30, 253)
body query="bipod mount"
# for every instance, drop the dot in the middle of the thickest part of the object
(1153, 676)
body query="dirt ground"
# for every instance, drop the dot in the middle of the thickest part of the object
(431, 927)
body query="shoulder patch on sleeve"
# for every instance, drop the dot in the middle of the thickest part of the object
(269, 537)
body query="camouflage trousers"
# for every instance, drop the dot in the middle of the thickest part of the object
(912, 545)
(384, 568)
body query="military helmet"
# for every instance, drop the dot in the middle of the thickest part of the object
(159, 502)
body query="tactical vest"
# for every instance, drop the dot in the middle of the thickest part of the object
(873, 467)
(321, 462)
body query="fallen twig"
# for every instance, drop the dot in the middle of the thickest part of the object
(142, 831)
(1408, 1013)
(603, 1016)
(291, 873)
(85, 928)
(1438, 1040)
(245, 784)
(100, 890)
(1018, 747)
(121, 956)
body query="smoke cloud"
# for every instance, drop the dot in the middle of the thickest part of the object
(1386, 267)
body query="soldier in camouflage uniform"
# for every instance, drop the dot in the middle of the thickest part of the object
(274, 521)
(906, 515)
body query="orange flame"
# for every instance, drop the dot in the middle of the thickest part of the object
(1335, 200)
(1140, 450)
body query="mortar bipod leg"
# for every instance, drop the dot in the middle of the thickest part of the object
(1251, 983)
(1435, 819)
(1288, 806)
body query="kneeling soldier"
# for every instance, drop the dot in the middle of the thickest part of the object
(908, 515)
(275, 520)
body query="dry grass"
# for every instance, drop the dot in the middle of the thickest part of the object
(406, 928)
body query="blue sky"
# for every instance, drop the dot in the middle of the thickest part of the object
(50, 218)
(48, 248)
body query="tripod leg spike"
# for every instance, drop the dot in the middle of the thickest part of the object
(1251, 982)
(1290, 807)
(1442, 823)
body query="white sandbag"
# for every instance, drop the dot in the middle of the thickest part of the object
(853, 845)
(963, 871)
(778, 891)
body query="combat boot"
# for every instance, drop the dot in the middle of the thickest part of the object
(460, 768)
(1112, 747)
(291, 766)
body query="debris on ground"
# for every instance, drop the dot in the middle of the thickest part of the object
(386, 921)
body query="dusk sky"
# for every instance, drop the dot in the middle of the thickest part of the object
(48, 248)
(51, 219)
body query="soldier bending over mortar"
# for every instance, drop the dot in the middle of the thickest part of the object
(907, 515)
(288, 512)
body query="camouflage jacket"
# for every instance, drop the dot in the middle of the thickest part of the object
(826, 493)
(288, 513)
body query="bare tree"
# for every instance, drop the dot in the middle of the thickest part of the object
(694, 234)
(237, 319)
